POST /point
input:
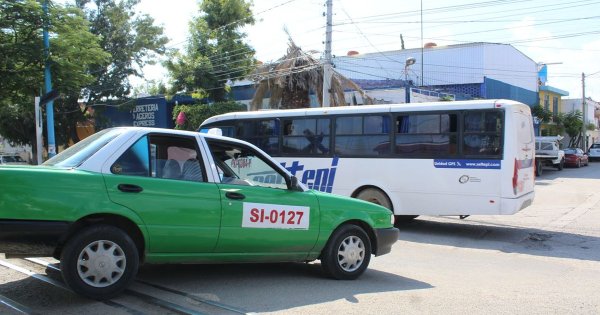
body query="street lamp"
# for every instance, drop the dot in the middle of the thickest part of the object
(409, 62)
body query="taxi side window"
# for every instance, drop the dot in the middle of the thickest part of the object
(162, 157)
(135, 161)
(240, 165)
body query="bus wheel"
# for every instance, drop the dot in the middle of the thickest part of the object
(375, 196)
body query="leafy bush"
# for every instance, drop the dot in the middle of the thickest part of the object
(540, 112)
(198, 113)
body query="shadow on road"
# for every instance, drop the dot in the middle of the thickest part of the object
(273, 287)
(509, 239)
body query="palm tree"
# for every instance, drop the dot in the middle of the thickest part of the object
(291, 79)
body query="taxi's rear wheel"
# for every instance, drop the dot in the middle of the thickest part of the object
(347, 253)
(99, 262)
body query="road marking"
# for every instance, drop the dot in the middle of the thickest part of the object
(154, 300)
(193, 297)
(34, 275)
(59, 284)
(15, 305)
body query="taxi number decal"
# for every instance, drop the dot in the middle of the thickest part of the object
(262, 215)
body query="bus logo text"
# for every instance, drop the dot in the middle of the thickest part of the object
(318, 179)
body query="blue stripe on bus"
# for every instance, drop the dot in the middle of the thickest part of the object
(468, 164)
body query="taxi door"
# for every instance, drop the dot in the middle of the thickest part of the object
(161, 178)
(259, 213)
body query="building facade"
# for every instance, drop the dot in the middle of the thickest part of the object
(592, 115)
(551, 98)
(468, 71)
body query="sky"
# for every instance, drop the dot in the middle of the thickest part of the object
(565, 34)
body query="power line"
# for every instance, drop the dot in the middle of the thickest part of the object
(499, 29)
(363, 35)
(536, 9)
(443, 9)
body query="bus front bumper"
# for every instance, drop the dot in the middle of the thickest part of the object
(385, 238)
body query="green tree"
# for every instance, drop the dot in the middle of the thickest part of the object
(132, 40)
(73, 49)
(543, 114)
(216, 51)
(196, 114)
(572, 123)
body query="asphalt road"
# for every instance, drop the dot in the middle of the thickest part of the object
(542, 260)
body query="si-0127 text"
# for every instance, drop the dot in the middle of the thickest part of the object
(271, 216)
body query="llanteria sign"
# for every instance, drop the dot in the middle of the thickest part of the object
(147, 112)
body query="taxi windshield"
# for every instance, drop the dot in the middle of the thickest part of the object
(82, 150)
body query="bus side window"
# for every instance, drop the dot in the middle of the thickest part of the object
(482, 133)
(426, 135)
(306, 136)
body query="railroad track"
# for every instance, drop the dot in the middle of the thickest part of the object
(141, 297)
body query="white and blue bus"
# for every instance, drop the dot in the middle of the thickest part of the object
(443, 158)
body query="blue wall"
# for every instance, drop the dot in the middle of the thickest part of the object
(147, 112)
(492, 89)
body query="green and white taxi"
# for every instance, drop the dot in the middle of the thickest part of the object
(126, 196)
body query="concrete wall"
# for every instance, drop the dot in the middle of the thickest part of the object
(507, 64)
(446, 65)
(497, 89)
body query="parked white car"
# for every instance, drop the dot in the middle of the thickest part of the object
(594, 151)
(548, 152)
(7, 159)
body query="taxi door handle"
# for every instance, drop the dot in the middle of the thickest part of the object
(234, 195)
(130, 188)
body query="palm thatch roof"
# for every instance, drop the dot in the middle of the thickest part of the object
(291, 78)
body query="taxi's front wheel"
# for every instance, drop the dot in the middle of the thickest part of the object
(99, 262)
(347, 253)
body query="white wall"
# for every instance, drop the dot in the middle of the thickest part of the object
(571, 104)
(23, 151)
(507, 64)
(460, 64)
(455, 64)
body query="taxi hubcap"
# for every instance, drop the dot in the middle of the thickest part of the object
(351, 253)
(101, 263)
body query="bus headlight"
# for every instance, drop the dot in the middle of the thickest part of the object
(392, 219)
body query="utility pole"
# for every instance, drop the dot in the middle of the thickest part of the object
(38, 132)
(409, 62)
(327, 65)
(422, 73)
(48, 83)
(583, 125)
